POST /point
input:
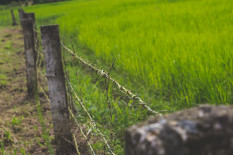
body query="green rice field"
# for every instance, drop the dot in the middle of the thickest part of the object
(180, 50)
(174, 53)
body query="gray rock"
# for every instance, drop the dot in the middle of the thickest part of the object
(203, 130)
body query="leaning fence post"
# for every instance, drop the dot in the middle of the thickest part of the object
(13, 18)
(30, 56)
(57, 90)
(21, 12)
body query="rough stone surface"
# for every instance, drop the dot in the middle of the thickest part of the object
(203, 130)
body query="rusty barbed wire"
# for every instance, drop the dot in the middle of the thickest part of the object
(92, 121)
(105, 75)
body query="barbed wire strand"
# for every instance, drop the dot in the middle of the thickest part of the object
(92, 121)
(76, 145)
(38, 50)
(38, 63)
(75, 122)
(39, 57)
(42, 75)
(72, 115)
(105, 75)
(47, 98)
(36, 30)
(36, 39)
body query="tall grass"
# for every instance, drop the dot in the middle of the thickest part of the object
(180, 50)
(112, 114)
(5, 17)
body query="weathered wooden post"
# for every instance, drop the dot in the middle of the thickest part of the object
(27, 24)
(13, 18)
(57, 90)
(29, 15)
(21, 12)
(32, 16)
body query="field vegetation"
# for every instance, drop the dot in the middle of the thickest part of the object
(178, 50)
(174, 53)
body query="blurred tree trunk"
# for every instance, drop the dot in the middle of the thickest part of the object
(26, 3)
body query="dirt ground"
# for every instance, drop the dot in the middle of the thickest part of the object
(21, 130)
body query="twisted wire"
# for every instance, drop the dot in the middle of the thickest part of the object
(92, 121)
(72, 115)
(105, 75)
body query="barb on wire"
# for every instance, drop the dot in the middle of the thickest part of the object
(105, 75)
(110, 69)
(72, 115)
(111, 66)
(92, 121)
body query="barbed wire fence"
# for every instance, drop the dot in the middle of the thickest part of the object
(71, 92)
(93, 125)
(105, 75)
(90, 130)
(42, 84)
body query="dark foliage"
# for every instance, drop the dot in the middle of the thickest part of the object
(46, 1)
(7, 1)
(34, 1)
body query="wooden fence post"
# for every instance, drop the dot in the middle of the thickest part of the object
(13, 18)
(21, 12)
(29, 15)
(27, 24)
(57, 90)
(36, 42)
